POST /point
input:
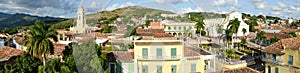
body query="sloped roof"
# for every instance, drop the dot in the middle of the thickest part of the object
(289, 43)
(122, 56)
(8, 52)
(59, 48)
(20, 40)
(278, 35)
(240, 70)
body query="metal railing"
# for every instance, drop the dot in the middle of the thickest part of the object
(277, 61)
(158, 58)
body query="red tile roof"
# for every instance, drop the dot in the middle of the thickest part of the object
(20, 40)
(289, 43)
(278, 35)
(122, 56)
(8, 52)
(155, 25)
(59, 48)
(188, 52)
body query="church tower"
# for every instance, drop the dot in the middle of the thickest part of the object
(81, 26)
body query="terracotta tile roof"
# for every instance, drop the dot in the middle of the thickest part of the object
(122, 56)
(189, 52)
(240, 70)
(289, 43)
(162, 35)
(278, 35)
(138, 30)
(8, 52)
(70, 34)
(155, 25)
(59, 48)
(102, 35)
(283, 29)
(20, 40)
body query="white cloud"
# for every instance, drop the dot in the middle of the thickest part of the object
(116, 6)
(171, 1)
(61, 16)
(280, 4)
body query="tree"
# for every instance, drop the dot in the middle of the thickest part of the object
(200, 24)
(147, 23)
(233, 27)
(293, 34)
(39, 43)
(243, 41)
(274, 39)
(244, 31)
(230, 53)
(260, 36)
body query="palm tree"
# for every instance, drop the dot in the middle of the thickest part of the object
(244, 41)
(244, 31)
(233, 27)
(200, 24)
(39, 40)
(260, 36)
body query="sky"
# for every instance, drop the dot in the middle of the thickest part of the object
(68, 8)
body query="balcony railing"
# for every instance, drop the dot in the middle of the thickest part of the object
(273, 61)
(158, 58)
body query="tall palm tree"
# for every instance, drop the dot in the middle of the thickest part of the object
(200, 24)
(39, 40)
(233, 27)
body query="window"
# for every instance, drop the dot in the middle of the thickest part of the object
(184, 27)
(193, 67)
(173, 69)
(159, 69)
(145, 69)
(158, 52)
(173, 52)
(145, 52)
(174, 27)
(169, 28)
(269, 69)
(190, 27)
(179, 27)
(274, 57)
(112, 67)
(276, 70)
(290, 60)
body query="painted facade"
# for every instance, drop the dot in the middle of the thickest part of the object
(179, 29)
(167, 56)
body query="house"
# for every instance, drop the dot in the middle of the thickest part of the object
(120, 62)
(168, 56)
(155, 25)
(283, 56)
(269, 36)
(179, 29)
(8, 52)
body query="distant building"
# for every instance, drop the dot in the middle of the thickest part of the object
(81, 26)
(8, 52)
(212, 25)
(120, 62)
(179, 29)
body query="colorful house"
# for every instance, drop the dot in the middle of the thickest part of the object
(168, 56)
(179, 29)
(283, 56)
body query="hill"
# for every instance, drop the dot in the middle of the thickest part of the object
(18, 19)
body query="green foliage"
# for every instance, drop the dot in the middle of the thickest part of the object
(274, 40)
(54, 66)
(23, 64)
(203, 33)
(110, 48)
(244, 31)
(107, 29)
(233, 26)
(220, 29)
(39, 39)
(260, 36)
(131, 32)
(87, 59)
(293, 34)
(147, 23)
(10, 30)
(243, 41)
(230, 53)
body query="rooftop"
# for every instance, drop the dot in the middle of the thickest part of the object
(59, 48)
(8, 52)
(289, 43)
(239, 70)
(123, 56)
(278, 35)
(155, 25)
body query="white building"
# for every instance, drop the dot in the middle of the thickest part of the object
(211, 24)
(81, 26)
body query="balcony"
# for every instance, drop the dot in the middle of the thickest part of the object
(280, 62)
(158, 57)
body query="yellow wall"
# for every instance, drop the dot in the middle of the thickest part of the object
(281, 69)
(166, 51)
(296, 57)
